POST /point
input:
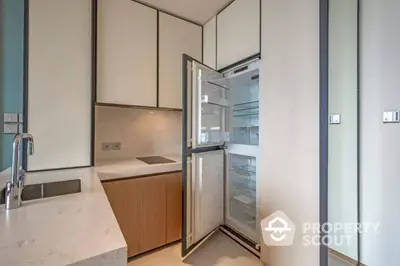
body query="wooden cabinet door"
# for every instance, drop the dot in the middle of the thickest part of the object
(154, 213)
(125, 198)
(174, 206)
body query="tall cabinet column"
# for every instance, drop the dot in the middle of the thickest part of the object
(59, 84)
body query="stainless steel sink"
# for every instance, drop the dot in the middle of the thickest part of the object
(46, 190)
(155, 160)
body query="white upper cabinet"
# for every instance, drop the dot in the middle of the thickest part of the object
(210, 43)
(127, 53)
(59, 83)
(238, 32)
(176, 37)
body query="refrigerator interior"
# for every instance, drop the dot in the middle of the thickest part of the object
(241, 196)
(242, 121)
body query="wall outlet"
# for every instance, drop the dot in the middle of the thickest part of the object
(116, 146)
(111, 146)
(106, 146)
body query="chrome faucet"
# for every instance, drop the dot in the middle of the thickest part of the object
(15, 186)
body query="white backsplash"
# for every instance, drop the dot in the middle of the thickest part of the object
(142, 132)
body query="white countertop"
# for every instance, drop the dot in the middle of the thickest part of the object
(62, 230)
(108, 170)
(78, 229)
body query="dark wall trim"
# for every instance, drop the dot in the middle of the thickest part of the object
(258, 55)
(216, 42)
(25, 79)
(137, 107)
(158, 59)
(185, 64)
(260, 28)
(323, 124)
(59, 169)
(168, 13)
(202, 43)
(359, 237)
(94, 80)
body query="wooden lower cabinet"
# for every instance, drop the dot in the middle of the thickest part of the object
(148, 210)
(154, 213)
(126, 201)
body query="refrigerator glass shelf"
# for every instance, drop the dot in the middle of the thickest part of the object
(247, 169)
(245, 126)
(220, 86)
(215, 104)
(246, 105)
(246, 184)
(246, 109)
(246, 114)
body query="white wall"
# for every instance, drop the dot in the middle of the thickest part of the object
(380, 143)
(59, 83)
(342, 165)
(289, 121)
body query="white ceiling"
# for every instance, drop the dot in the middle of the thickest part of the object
(199, 11)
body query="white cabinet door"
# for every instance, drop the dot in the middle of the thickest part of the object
(177, 37)
(238, 32)
(59, 99)
(127, 53)
(210, 43)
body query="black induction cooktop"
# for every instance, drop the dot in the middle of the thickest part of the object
(155, 160)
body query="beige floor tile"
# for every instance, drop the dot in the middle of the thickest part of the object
(219, 250)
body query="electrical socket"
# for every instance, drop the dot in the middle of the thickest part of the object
(106, 146)
(116, 146)
(111, 146)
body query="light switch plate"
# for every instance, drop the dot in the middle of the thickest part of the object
(10, 118)
(391, 117)
(335, 119)
(10, 128)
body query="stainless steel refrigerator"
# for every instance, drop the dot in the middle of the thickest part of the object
(220, 154)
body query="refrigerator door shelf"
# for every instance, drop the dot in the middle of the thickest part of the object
(209, 104)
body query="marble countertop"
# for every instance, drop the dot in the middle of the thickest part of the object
(114, 169)
(78, 229)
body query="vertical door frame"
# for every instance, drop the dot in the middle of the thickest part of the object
(323, 122)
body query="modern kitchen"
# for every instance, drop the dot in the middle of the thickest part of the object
(116, 95)
(191, 133)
